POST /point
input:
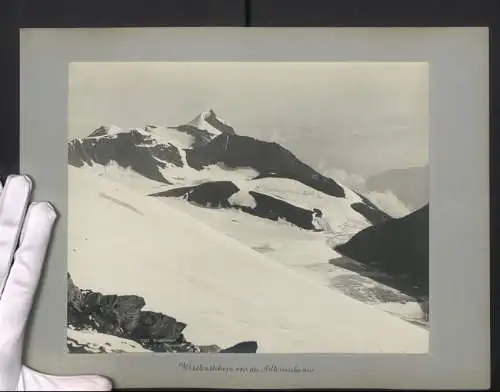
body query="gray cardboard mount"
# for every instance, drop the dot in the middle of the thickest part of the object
(459, 197)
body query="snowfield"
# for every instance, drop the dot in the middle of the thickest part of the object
(168, 135)
(121, 242)
(94, 342)
(337, 210)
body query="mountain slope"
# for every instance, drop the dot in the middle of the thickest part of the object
(206, 154)
(146, 151)
(399, 247)
(224, 291)
(281, 198)
(268, 159)
(205, 126)
(224, 194)
(135, 149)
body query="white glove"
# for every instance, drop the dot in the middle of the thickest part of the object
(25, 229)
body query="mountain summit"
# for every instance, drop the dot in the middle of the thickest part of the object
(146, 151)
(209, 120)
(399, 247)
(205, 127)
(206, 163)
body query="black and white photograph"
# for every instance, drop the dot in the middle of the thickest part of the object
(248, 207)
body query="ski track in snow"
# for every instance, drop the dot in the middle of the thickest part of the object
(299, 249)
(200, 122)
(225, 291)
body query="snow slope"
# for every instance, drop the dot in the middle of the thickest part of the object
(309, 253)
(169, 135)
(123, 243)
(94, 342)
(337, 211)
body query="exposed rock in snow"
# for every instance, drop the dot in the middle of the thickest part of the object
(93, 316)
(399, 248)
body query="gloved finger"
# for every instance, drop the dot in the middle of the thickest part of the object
(35, 381)
(13, 203)
(24, 275)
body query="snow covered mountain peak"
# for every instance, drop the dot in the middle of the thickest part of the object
(193, 162)
(206, 126)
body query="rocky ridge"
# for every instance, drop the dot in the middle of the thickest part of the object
(122, 316)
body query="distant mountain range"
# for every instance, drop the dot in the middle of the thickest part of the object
(410, 185)
(280, 186)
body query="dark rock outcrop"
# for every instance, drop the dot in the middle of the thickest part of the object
(202, 136)
(122, 316)
(110, 314)
(216, 194)
(129, 150)
(274, 209)
(397, 247)
(214, 121)
(243, 347)
(369, 210)
(373, 215)
(268, 159)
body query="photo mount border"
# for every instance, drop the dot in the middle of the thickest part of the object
(385, 13)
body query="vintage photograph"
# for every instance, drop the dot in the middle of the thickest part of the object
(248, 207)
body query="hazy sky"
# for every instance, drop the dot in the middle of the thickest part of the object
(363, 118)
